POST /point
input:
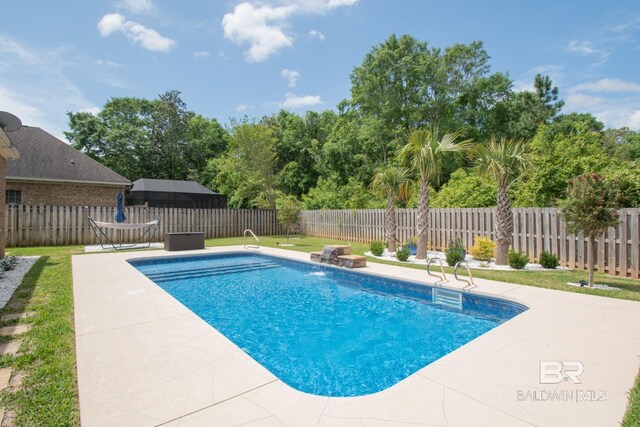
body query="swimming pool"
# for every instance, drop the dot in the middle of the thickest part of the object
(324, 330)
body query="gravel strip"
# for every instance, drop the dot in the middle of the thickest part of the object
(10, 280)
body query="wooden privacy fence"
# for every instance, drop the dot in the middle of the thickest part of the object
(534, 230)
(68, 225)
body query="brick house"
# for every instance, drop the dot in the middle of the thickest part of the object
(51, 172)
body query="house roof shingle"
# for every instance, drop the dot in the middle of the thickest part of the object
(45, 157)
(169, 186)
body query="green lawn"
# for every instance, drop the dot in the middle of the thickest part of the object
(49, 396)
(629, 288)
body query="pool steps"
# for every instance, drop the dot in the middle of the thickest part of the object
(447, 298)
(210, 271)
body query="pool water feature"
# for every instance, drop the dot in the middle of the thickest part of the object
(323, 330)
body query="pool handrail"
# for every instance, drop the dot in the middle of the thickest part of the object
(244, 238)
(444, 276)
(455, 274)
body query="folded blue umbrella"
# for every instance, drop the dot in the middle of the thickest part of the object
(120, 208)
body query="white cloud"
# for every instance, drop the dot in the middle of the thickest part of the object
(583, 47)
(92, 110)
(291, 75)
(138, 34)
(616, 105)
(608, 85)
(303, 101)
(260, 27)
(137, 6)
(316, 35)
(201, 54)
(35, 84)
(263, 26)
(240, 108)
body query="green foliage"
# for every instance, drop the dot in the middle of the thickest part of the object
(246, 172)
(465, 190)
(502, 160)
(148, 138)
(591, 205)
(329, 195)
(455, 252)
(288, 209)
(8, 263)
(561, 151)
(549, 260)
(517, 260)
(483, 249)
(403, 253)
(377, 247)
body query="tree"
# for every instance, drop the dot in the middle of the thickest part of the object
(118, 136)
(502, 161)
(405, 84)
(520, 114)
(591, 206)
(388, 182)
(246, 172)
(424, 154)
(141, 138)
(288, 209)
(572, 145)
(465, 190)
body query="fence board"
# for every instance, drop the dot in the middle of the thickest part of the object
(27, 225)
(535, 230)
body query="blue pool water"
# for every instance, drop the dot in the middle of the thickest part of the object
(324, 330)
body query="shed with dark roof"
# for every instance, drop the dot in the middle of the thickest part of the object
(51, 172)
(166, 193)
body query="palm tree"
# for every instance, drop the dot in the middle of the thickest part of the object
(389, 182)
(502, 161)
(424, 153)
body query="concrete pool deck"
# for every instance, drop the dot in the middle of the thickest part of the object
(145, 359)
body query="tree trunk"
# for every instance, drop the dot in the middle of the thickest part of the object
(591, 262)
(423, 219)
(504, 226)
(390, 224)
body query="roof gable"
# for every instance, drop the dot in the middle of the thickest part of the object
(45, 157)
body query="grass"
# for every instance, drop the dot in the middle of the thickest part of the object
(632, 417)
(48, 394)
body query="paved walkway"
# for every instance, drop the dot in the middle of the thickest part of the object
(145, 359)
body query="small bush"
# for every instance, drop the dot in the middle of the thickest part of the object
(455, 252)
(402, 254)
(516, 260)
(377, 247)
(549, 260)
(483, 249)
(8, 263)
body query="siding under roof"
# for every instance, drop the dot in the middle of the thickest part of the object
(44, 157)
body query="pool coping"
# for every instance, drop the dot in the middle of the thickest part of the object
(145, 359)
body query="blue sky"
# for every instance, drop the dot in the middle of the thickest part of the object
(231, 58)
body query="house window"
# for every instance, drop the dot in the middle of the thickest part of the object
(13, 197)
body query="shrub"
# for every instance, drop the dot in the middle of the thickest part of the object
(516, 260)
(483, 249)
(402, 254)
(548, 260)
(8, 263)
(455, 252)
(377, 247)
